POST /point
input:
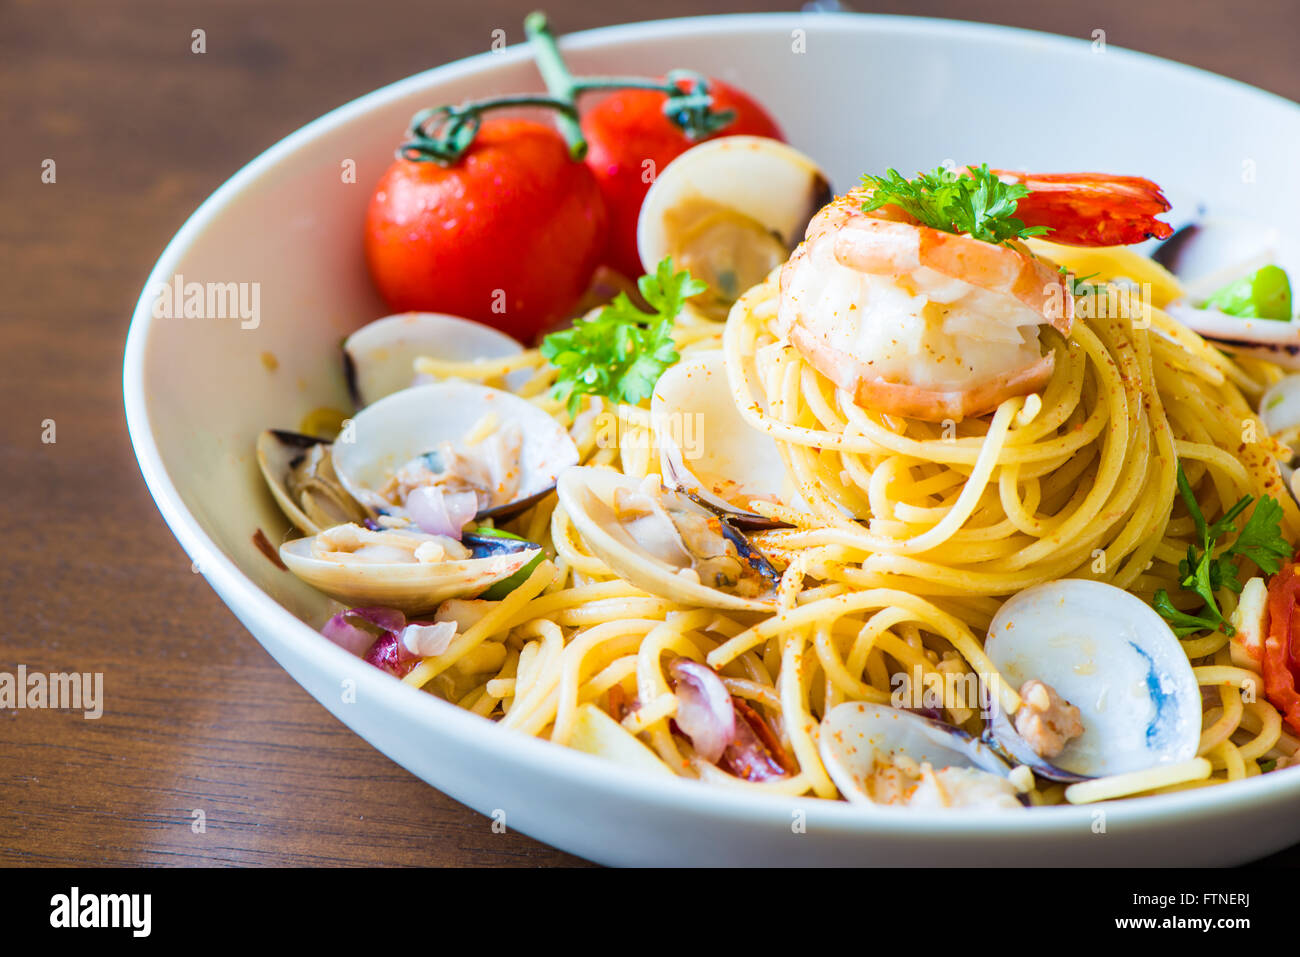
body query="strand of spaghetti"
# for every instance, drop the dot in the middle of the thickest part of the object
(538, 676)
(547, 605)
(864, 637)
(575, 653)
(1216, 457)
(595, 612)
(477, 368)
(661, 739)
(1228, 755)
(1226, 675)
(1263, 718)
(564, 537)
(488, 625)
(838, 674)
(615, 673)
(1113, 454)
(1136, 782)
(764, 694)
(970, 495)
(666, 636)
(799, 722)
(938, 621)
(546, 710)
(1229, 720)
(651, 713)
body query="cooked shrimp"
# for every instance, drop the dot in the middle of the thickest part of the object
(934, 325)
(1091, 209)
(917, 322)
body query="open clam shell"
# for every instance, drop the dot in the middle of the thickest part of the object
(1111, 656)
(299, 472)
(413, 587)
(1273, 340)
(379, 358)
(416, 421)
(852, 733)
(588, 495)
(1279, 409)
(1214, 251)
(730, 210)
(708, 449)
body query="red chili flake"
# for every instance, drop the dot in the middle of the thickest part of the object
(266, 548)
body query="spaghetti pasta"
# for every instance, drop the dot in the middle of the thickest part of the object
(912, 535)
(922, 500)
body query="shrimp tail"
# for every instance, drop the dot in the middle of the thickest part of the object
(1091, 209)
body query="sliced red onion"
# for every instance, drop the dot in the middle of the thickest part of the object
(425, 640)
(389, 654)
(749, 756)
(357, 629)
(441, 513)
(704, 710)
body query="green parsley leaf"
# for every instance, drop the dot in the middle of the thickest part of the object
(1261, 538)
(1182, 623)
(1079, 285)
(1205, 574)
(619, 353)
(979, 205)
(1267, 765)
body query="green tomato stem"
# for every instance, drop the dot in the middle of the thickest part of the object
(559, 81)
(443, 134)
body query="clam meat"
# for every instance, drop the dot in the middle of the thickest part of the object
(666, 543)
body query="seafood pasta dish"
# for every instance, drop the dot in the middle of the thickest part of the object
(969, 489)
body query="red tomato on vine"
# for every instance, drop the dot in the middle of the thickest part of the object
(630, 140)
(509, 235)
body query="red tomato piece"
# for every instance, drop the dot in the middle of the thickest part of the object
(509, 236)
(630, 141)
(1279, 661)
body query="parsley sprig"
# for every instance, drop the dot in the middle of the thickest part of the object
(619, 353)
(1079, 285)
(980, 205)
(1260, 541)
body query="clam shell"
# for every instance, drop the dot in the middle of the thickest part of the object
(764, 180)
(1279, 408)
(706, 446)
(852, 732)
(412, 587)
(1215, 250)
(586, 494)
(277, 453)
(1111, 656)
(398, 428)
(379, 358)
(1272, 340)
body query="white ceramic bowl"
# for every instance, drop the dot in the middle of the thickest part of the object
(869, 92)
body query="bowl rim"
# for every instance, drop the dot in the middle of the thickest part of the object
(540, 756)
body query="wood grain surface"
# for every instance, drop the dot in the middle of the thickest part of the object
(197, 716)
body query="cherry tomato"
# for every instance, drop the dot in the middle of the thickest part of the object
(510, 235)
(630, 141)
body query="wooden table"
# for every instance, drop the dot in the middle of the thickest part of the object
(198, 717)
